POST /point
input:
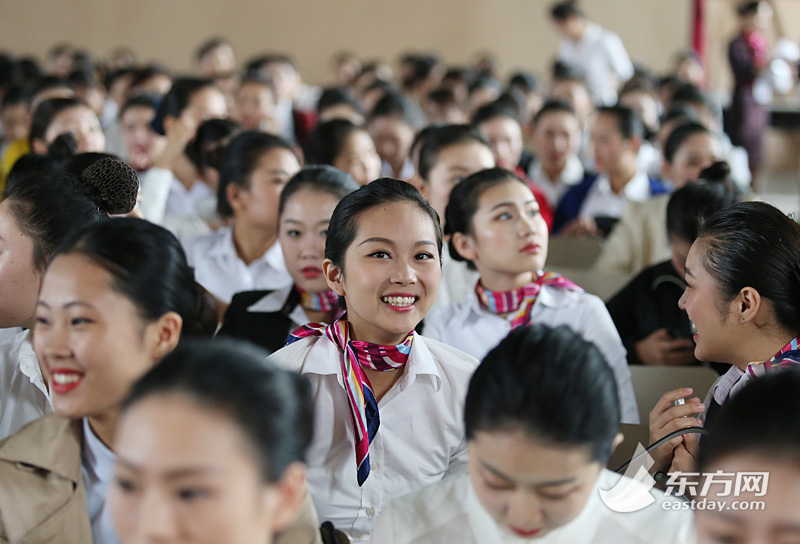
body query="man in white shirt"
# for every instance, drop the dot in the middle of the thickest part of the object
(595, 51)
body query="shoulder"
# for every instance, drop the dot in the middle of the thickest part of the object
(200, 244)
(10, 351)
(556, 297)
(293, 356)
(448, 357)
(61, 434)
(445, 317)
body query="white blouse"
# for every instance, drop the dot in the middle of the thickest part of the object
(97, 469)
(23, 394)
(420, 439)
(477, 331)
(219, 269)
(449, 512)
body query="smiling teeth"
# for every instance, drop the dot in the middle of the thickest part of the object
(399, 301)
(62, 379)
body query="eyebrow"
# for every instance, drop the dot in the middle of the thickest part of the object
(512, 204)
(510, 479)
(297, 221)
(687, 272)
(67, 305)
(391, 243)
(171, 474)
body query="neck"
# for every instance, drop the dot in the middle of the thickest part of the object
(761, 347)
(105, 426)
(252, 243)
(553, 171)
(184, 171)
(363, 334)
(319, 317)
(506, 282)
(397, 166)
(620, 177)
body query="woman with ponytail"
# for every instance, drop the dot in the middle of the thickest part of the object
(40, 207)
(494, 225)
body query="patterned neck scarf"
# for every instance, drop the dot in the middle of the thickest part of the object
(356, 356)
(518, 303)
(788, 356)
(323, 301)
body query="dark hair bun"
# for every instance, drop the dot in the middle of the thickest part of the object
(115, 183)
(719, 172)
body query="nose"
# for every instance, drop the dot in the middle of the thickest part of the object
(403, 273)
(682, 301)
(52, 341)
(524, 511)
(312, 246)
(560, 144)
(156, 519)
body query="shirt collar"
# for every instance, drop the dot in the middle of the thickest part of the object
(29, 363)
(571, 174)
(224, 247)
(548, 296)
(98, 459)
(272, 302)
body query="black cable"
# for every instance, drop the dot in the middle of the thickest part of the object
(660, 441)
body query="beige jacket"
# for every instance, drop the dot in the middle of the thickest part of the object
(42, 498)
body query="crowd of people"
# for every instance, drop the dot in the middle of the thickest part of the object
(235, 306)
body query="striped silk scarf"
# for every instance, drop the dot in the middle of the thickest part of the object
(356, 356)
(323, 301)
(787, 357)
(518, 303)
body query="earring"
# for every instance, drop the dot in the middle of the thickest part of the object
(742, 320)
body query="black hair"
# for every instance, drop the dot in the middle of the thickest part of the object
(693, 96)
(47, 111)
(443, 97)
(148, 266)
(206, 148)
(46, 205)
(343, 226)
(272, 407)
(328, 139)
(440, 138)
(628, 122)
(747, 8)
(513, 102)
(16, 95)
(741, 429)
(463, 203)
(178, 99)
(561, 11)
(553, 105)
(691, 205)
(678, 112)
(256, 64)
(259, 78)
(679, 135)
(527, 82)
(739, 241)
(209, 45)
(83, 79)
(48, 83)
(148, 101)
(549, 383)
(334, 96)
(321, 178)
(142, 74)
(485, 82)
(239, 160)
(394, 104)
(421, 68)
(490, 111)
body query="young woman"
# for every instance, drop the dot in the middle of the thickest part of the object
(494, 225)
(39, 209)
(114, 301)
(387, 401)
(652, 327)
(542, 419)
(141, 143)
(346, 146)
(639, 239)
(743, 315)
(743, 441)
(246, 255)
(57, 116)
(267, 318)
(198, 464)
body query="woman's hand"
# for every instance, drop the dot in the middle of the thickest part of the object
(665, 418)
(660, 348)
(181, 132)
(581, 227)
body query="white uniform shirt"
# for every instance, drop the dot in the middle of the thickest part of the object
(554, 189)
(457, 283)
(420, 439)
(477, 331)
(450, 512)
(97, 468)
(602, 58)
(601, 201)
(219, 269)
(406, 172)
(23, 393)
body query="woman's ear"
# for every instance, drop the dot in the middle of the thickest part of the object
(293, 498)
(235, 195)
(465, 245)
(39, 146)
(334, 277)
(747, 304)
(169, 122)
(617, 441)
(163, 335)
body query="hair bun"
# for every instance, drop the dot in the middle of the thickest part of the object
(719, 172)
(115, 183)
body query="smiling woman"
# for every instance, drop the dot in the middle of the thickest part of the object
(373, 375)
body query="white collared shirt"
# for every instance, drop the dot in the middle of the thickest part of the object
(602, 58)
(554, 189)
(406, 172)
(274, 301)
(23, 394)
(449, 512)
(458, 281)
(601, 201)
(219, 269)
(420, 439)
(97, 468)
(477, 331)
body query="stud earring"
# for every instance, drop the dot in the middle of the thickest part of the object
(742, 320)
